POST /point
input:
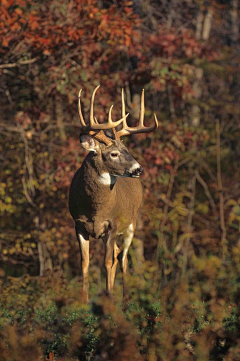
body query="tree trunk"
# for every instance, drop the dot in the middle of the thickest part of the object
(203, 29)
(59, 111)
(234, 22)
(45, 260)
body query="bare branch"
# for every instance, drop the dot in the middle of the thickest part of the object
(18, 63)
(206, 189)
(189, 223)
(220, 190)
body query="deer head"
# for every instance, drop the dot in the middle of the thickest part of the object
(104, 140)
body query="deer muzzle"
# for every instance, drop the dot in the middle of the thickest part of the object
(137, 172)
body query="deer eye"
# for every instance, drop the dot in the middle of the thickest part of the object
(115, 155)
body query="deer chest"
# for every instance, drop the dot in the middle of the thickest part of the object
(94, 228)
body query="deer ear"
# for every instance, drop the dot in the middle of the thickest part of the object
(89, 143)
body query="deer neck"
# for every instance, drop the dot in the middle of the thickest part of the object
(98, 183)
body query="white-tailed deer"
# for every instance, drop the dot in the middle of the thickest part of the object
(105, 194)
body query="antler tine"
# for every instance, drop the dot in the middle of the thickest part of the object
(117, 122)
(141, 117)
(142, 110)
(92, 121)
(141, 128)
(124, 123)
(94, 125)
(110, 115)
(80, 110)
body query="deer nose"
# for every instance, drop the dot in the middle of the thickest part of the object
(137, 172)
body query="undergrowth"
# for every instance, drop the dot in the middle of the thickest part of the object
(194, 318)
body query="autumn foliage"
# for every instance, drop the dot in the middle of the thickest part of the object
(184, 262)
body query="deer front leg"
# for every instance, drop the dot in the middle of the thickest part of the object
(111, 260)
(109, 247)
(127, 240)
(116, 252)
(84, 250)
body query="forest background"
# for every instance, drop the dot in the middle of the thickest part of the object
(184, 263)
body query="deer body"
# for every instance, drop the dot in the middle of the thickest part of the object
(97, 202)
(105, 193)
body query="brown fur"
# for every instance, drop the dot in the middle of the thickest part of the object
(93, 205)
(105, 195)
(105, 210)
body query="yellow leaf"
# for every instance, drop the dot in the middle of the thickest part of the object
(231, 202)
(12, 250)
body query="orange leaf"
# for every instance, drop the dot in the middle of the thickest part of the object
(5, 2)
(18, 11)
(34, 25)
(5, 42)
(50, 356)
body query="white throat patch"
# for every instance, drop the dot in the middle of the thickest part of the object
(106, 179)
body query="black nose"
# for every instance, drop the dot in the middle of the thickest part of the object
(137, 172)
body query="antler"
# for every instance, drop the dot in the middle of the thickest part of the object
(97, 130)
(94, 128)
(141, 128)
